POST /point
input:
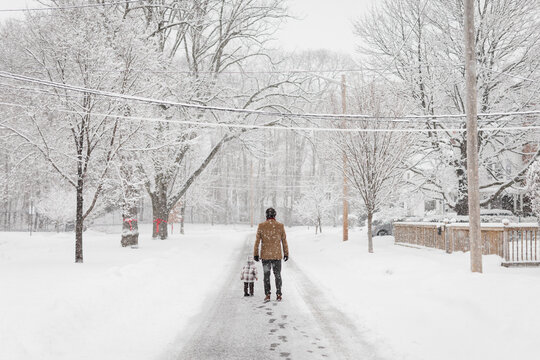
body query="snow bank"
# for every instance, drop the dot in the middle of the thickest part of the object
(423, 303)
(120, 304)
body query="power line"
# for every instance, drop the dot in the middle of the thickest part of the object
(293, 71)
(300, 179)
(38, 91)
(289, 71)
(68, 7)
(256, 176)
(251, 111)
(285, 128)
(48, 93)
(169, 103)
(258, 187)
(277, 71)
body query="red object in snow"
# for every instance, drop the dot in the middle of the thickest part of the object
(130, 221)
(159, 221)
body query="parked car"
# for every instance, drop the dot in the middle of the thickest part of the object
(70, 226)
(495, 212)
(383, 221)
(381, 227)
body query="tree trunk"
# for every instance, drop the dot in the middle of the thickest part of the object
(160, 214)
(369, 227)
(130, 200)
(130, 226)
(182, 215)
(79, 220)
(141, 209)
(462, 204)
(320, 226)
(160, 224)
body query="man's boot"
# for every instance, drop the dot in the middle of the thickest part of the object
(267, 298)
(278, 298)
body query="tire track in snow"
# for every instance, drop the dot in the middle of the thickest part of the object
(303, 326)
(345, 337)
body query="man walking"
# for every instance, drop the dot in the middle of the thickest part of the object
(271, 237)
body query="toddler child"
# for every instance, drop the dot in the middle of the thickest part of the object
(249, 274)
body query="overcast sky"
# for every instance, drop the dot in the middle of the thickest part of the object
(319, 23)
(322, 24)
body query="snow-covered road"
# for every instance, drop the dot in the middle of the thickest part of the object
(305, 325)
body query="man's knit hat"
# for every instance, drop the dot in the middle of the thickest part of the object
(270, 213)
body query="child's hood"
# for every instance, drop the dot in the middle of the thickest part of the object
(250, 261)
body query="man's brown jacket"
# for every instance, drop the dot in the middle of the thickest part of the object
(271, 236)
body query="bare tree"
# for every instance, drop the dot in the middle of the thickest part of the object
(419, 45)
(376, 160)
(74, 131)
(317, 202)
(132, 188)
(206, 39)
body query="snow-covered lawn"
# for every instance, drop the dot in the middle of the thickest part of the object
(119, 304)
(423, 303)
(134, 303)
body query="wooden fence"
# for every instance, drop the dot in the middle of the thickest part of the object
(520, 246)
(517, 244)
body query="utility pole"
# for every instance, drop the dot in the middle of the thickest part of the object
(345, 189)
(475, 235)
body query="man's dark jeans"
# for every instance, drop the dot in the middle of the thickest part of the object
(276, 265)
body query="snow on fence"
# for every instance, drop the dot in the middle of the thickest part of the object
(517, 244)
(520, 245)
